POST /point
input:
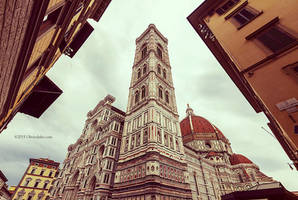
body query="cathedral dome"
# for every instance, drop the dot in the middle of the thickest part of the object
(239, 159)
(195, 127)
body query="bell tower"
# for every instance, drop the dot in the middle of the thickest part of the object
(152, 161)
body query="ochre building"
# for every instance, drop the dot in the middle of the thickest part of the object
(255, 41)
(4, 192)
(37, 180)
(33, 35)
(145, 153)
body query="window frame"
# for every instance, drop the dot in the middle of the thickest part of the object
(265, 29)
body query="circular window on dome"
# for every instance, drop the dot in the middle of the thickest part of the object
(208, 145)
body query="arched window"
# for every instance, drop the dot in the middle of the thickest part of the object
(144, 69)
(167, 96)
(145, 136)
(177, 146)
(164, 73)
(158, 136)
(158, 69)
(159, 51)
(166, 141)
(137, 95)
(139, 73)
(143, 92)
(144, 51)
(160, 92)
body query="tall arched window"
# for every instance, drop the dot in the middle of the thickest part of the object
(164, 73)
(159, 51)
(158, 136)
(137, 95)
(158, 69)
(167, 96)
(177, 146)
(143, 92)
(144, 69)
(145, 136)
(139, 73)
(160, 92)
(144, 51)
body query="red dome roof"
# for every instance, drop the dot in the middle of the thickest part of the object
(238, 159)
(200, 125)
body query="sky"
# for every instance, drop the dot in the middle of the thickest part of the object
(103, 66)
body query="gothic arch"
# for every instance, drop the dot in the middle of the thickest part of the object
(160, 92)
(167, 97)
(144, 68)
(164, 71)
(101, 150)
(158, 69)
(139, 73)
(143, 91)
(75, 177)
(137, 96)
(92, 183)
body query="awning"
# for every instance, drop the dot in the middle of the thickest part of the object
(41, 97)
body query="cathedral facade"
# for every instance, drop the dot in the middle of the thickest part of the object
(145, 153)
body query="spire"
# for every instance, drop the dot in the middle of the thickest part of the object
(189, 110)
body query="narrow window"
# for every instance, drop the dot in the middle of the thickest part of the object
(132, 144)
(144, 52)
(41, 173)
(143, 92)
(158, 69)
(145, 136)
(275, 39)
(144, 69)
(158, 136)
(160, 92)
(164, 74)
(137, 96)
(177, 146)
(36, 184)
(166, 141)
(167, 96)
(139, 73)
(106, 178)
(126, 144)
(33, 170)
(159, 53)
(50, 174)
(45, 185)
(138, 139)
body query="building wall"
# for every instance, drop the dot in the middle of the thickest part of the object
(34, 35)
(267, 72)
(36, 180)
(89, 168)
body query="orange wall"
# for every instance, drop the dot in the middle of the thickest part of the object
(269, 81)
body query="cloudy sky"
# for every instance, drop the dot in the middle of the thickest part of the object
(103, 66)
